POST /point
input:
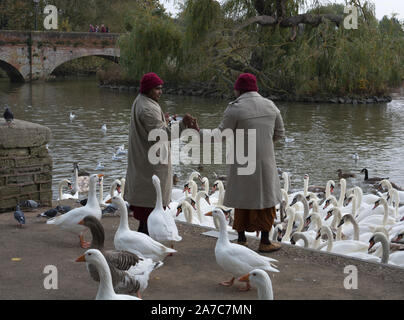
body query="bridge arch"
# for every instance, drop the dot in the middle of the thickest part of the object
(110, 57)
(12, 72)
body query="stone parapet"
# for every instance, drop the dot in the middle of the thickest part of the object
(25, 164)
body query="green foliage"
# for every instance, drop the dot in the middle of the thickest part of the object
(153, 45)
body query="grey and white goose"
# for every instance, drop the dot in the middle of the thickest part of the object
(130, 273)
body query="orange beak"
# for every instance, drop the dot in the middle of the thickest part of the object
(100, 175)
(209, 214)
(244, 278)
(108, 201)
(81, 222)
(81, 258)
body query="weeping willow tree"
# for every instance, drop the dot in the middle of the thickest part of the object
(292, 53)
(154, 44)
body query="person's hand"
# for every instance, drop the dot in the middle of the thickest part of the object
(190, 122)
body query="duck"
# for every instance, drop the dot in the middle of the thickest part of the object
(234, 258)
(160, 224)
(130, 274)
(260, 280)
(105, 288)
(345, 175)
(372, 180)
(64, 196)
(138, 243)
(395, 258)
(69, 221)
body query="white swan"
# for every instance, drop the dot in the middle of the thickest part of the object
(136, 242)
(234, 258)
(63, 196)
(114, 190)
(217, 199)
(160, 224)
(69, 221)
(260, 280)
(342, 246)
(396, 258)
(105, 288)
(81, 183)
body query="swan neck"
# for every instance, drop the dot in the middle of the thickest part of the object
(92, 194)
(386, 250)
(286, 237)
(342, 194)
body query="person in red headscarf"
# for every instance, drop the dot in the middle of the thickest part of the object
(254, 194)
(147, 115)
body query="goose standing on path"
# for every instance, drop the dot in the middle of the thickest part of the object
(160, 224)
(234, 258)
(130, 274)
(69, 221)
(105, 289)
(138, 243)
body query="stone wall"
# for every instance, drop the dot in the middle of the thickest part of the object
(25, 164)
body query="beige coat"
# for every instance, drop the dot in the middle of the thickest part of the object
(139, 190)
(262, 188)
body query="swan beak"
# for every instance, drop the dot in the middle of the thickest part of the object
(318, 235)
(341, 223)
(402, 219)
(209, 214)
(81, 258)
(371, 244)
(376, 204)
(81, 222)
(118, 188)
(179, 210)
(307, 222)
(207, 200)
(244, 278)
(108, 201)
(329, 214)
(213, 189)
(331, 189)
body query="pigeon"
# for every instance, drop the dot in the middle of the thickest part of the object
(111, 209)
(51, 213)
(8, 116)
(19, 216)
(63, 209)
(29, 204)
(72, 116)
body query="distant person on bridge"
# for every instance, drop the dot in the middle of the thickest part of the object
(92, 29)
(103, 28)
(97, 28)
(147, 115)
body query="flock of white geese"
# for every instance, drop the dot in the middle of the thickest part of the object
(125, 270)
(364, 226)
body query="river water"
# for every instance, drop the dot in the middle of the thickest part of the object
(320, 138)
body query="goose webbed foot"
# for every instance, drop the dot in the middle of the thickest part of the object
(227, 283)
(84, 244)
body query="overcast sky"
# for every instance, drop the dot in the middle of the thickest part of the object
(383, 7)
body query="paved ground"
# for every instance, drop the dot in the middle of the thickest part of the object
(191, 274)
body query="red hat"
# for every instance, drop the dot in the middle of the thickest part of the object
(149, 81)
(246, 82)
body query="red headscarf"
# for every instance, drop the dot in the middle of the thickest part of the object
(149, 81)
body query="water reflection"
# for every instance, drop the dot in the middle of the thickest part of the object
(321, 138)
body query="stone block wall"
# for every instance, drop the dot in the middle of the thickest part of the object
(25, 164)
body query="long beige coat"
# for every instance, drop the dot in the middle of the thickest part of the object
(262, 188)
(139, 190)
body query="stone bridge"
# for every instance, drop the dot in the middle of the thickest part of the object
(34, 55)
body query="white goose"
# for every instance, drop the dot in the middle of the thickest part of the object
(136, 242)
(105, 289)
(160, 224)
(234, 258)
(69, 221)
(260, 280)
